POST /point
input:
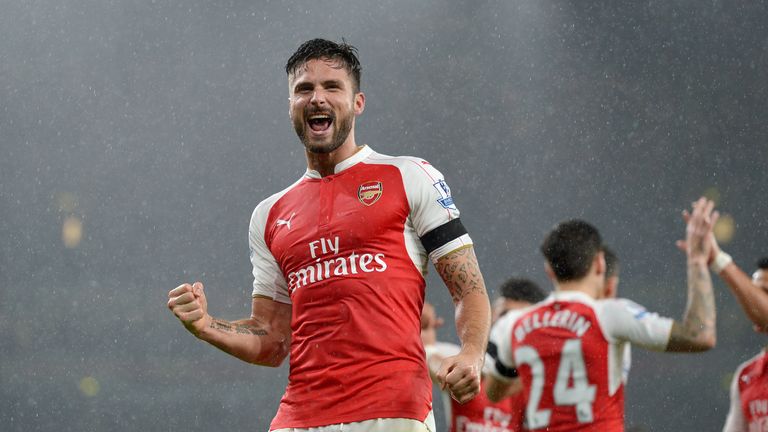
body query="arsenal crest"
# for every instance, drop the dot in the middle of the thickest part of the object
(370, 192)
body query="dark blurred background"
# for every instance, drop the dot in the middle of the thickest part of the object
(137, 137)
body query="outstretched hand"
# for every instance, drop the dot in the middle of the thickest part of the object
(698, 232)
(713, 247)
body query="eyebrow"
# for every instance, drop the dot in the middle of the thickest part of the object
(327, 83)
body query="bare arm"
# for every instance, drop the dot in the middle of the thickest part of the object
(263, 338)
(752, 298)
(461, 274)
(697, 331)
(460, 374)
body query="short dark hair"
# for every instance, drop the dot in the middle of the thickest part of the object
(762, 263)
(570, 248)
(520, 289)
(611, 262)
(314, 49)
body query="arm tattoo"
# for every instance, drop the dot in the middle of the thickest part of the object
(699, 318)
(229, 327)
(461, 273)
(700, 313)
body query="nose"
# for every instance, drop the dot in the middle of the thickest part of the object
(318, 97)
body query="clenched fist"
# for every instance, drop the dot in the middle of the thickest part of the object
(460, 375)
(190, 306)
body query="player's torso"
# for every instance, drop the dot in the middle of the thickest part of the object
(753, 390)
(340, 243)
(562, 354)
(482, 415)
(356, 294)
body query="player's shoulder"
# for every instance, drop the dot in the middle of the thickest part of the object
(406, 164)
(751, 363)
(621, 306)
(261, 211)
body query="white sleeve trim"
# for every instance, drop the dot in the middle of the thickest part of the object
(449, 247)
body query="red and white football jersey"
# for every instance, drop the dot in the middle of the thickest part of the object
(480, 414)
(568, 351)
(749, 397)
(349, 252)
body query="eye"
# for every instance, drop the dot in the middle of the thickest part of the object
(303, 89)
(333, 86)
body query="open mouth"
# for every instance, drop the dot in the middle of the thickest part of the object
(320, 122)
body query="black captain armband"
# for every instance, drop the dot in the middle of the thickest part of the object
(508, 372)
(443, 234)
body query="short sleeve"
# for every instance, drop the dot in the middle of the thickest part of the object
(434, 215)
(625, 320)
(268, 279)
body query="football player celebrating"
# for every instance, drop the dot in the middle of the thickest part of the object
(567, 350)
(339, 260)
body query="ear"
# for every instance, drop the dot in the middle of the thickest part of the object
(611, 286)
(550, 273)
(359, 103)
(599, 264)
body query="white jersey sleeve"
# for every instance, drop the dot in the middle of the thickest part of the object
(434, 215)
(735, 421)
(268, 279)
(500, 348)
(442, 349)
(624, 320)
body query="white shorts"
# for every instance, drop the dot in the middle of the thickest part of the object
(374, 425)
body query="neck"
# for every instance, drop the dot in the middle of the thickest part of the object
(581, 285)
(325, 163)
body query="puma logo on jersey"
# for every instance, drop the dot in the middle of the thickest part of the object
(287, 222)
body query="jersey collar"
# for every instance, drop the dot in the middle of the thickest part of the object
(349, 162)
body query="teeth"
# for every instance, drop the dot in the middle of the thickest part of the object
(319, 116)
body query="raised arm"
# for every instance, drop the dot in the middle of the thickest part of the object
(752, 298)
(263, 338)
(697, 331)
(461, 374)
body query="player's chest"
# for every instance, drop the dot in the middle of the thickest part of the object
(336, 215)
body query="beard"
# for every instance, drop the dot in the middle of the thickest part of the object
(341, 124)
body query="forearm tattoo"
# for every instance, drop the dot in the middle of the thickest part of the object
(461, 273)
(700, 313)
(229, 327)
